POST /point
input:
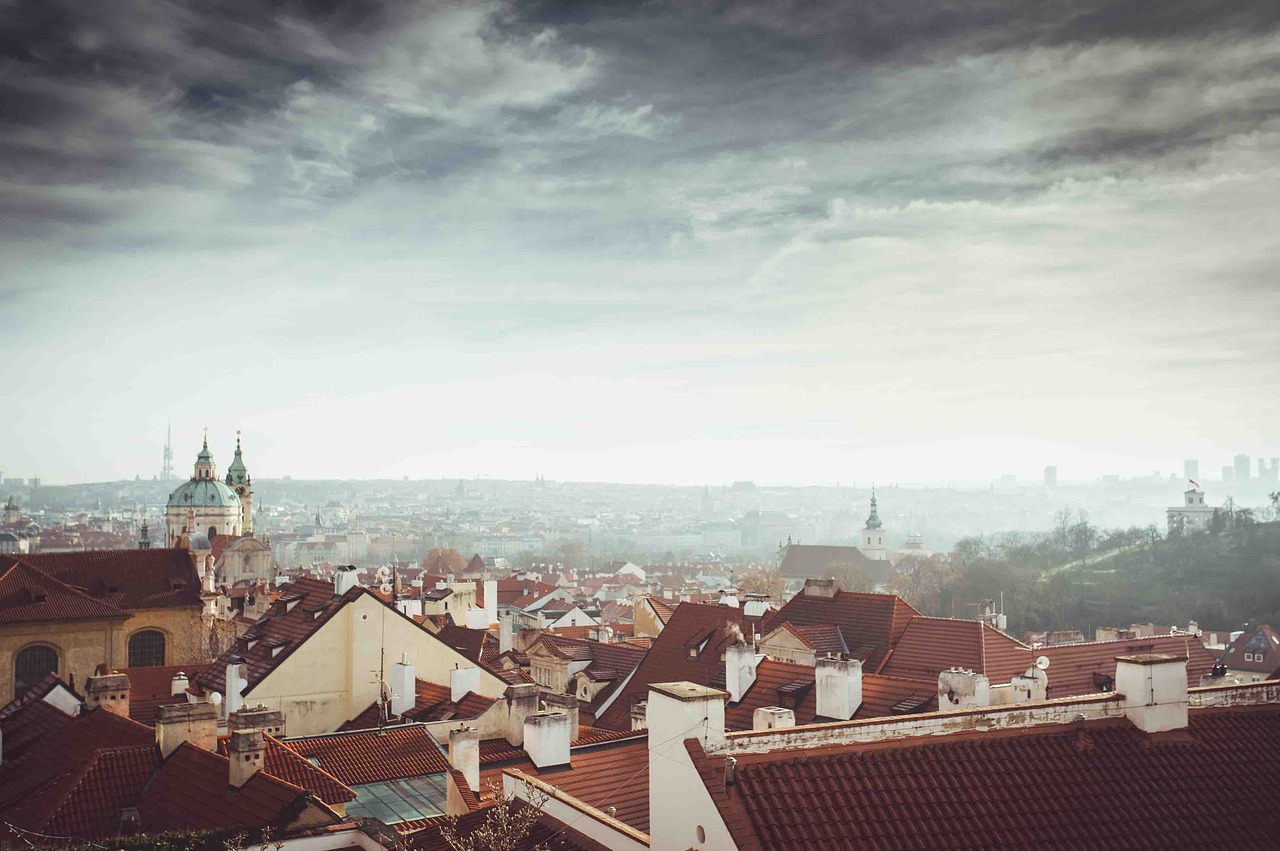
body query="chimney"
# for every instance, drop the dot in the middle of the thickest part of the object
(740, 662)
(677, 712)
(463, 681)
(546, 738)
(566, 703)
(344, 579)
(1154, 686)
(1218, 676)
(639, 715)
(839, 685)
(269, 721)
(522, 701)
(178, 685)
(504, 633)
(236, 684)
(246, 751)
(772, 718)
(961, 689)
(491, 599)
(756, 605)
(404, 686)
(110, 691)
(1031, 686)
(464, 755)
(827, 588)
(186, 722)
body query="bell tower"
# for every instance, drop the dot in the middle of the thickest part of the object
(873, 535)
(239, 480)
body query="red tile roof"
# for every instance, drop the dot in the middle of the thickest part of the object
(493, 751)
(127, 579)
(190, 791)
(87, 802)
(28, 595)
(432, 703)
(478, 645)
(1109, 786)
(824, 639)
(792, 686)
(870, 624)
(287, 764)
(688, 648)
(661, 608)
(1263, 646)
(929, 646)
(371, 756)
(606, 661)
(1090, 666)
(614, 774)
(28, 723)
(150, 688)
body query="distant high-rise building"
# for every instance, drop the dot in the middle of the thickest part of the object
(1242, 468)
(1269, 472)
(1191, 469)
(1051, 477)
(1228, 474)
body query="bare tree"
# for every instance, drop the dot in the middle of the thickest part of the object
(852, 577)
(765, 580)
(506, 824)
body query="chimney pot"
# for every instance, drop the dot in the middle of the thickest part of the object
(246, 753)
(546, 738)
(839, 686)
(110, 691)
(186, 722)
(1154, 686)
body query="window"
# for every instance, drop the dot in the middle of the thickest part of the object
(394, 801)
(32, 665)
(146, 649)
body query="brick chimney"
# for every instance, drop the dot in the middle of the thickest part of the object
(839, 686)
(772, 718)
(740, 662)
(1154, 686)
(247, 751)
(404, 686)
(269, 721)
(110, 691)
(522, 701)
(566, 703)
(546, 738)
(186, 722)
(961, 689)
(463, 681)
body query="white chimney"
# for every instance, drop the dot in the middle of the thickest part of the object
(491, 599)
(463, 681)
(344, 579)
(839, 685)
(1154, 686)
(178, 685)
(477, 618)
(236, 684)
(740, 662)
(772, 718)
(246, 752)
(504, 633)
(755, 606)
(568, 704)
(522, 701)
(676, 712)
(186, 722)
(1031, 686)
(961, 689)
(464, 755)
(546, 738)
(404, 687)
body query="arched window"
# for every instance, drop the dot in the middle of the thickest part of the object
(32, 665)
(146, 649)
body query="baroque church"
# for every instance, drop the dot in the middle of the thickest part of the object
(204, 507)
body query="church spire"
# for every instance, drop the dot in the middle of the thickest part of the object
(873, 521)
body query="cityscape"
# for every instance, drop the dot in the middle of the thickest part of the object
(536, 425)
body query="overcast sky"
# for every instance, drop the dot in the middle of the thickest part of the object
(889, 240)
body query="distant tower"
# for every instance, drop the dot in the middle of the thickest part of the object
(1242, 468)
(239, 480)
(11, 512)
(144, 543)
(1191, 469)
(166, 470)
(873, 535)
(1269, 473)
(1050, 477)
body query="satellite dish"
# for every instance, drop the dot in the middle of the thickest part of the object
(1042, 662)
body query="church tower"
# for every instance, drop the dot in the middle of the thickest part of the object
(239, 480)
(873, 535)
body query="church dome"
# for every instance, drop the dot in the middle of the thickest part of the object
(207, 493)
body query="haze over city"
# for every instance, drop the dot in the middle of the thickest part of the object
(682, 243)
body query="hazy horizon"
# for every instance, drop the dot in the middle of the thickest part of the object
(676, 243)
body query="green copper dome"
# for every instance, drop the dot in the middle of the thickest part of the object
(237, 472)
(206, 493)
(873, 522)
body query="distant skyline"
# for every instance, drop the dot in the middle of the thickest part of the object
(793, 242)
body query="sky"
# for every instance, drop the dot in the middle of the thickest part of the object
(686, 242)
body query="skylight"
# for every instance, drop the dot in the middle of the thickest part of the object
(405, 799)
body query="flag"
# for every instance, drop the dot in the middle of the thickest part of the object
(1194, 484)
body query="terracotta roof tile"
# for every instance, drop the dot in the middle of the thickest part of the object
(865, 620)
(127, 579)
(287, 764)
(929, 646)
(150, 688)
(432, 703)
(87, 802)
(1111, 786)
(29, 595)
(370, 756)
(1090, 666)
(29, 723)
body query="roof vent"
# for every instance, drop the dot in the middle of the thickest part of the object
(730, 770)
